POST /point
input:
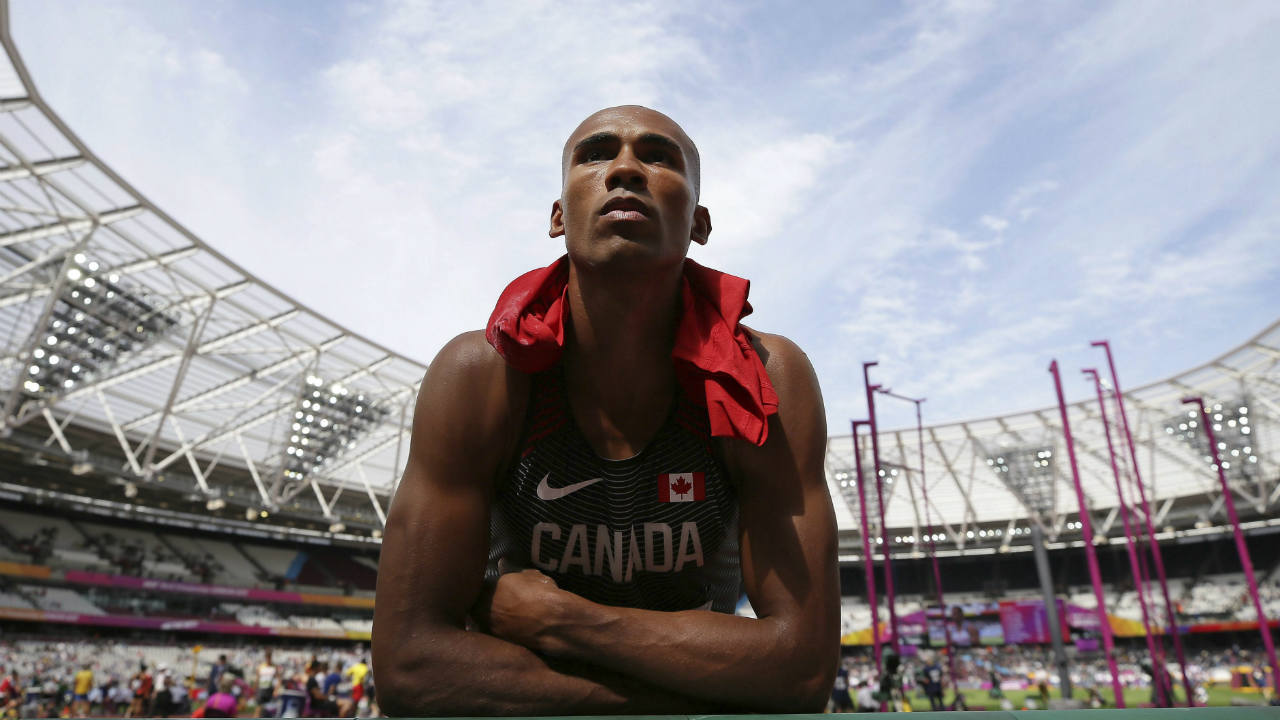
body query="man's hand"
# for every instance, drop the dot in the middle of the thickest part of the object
(521, 606)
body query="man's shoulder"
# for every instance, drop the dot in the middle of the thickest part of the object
(783, 359)
(469, 353)
(471, 397)
(468, 365)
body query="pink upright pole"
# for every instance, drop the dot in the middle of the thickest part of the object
(884, 528)
(1264, 626)
(868, 547)
(932, 548)
(1131, 540)
(1086, 525)
(1156, 555)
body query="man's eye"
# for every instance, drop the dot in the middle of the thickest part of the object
(656, 156)
(593, 155)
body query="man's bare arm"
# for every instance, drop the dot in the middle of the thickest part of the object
(433, 556)
(784, 661)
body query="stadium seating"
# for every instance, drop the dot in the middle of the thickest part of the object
(363, 625)
(278, 562)
(310, 622)
(39, 539)
(235, 567)
(13, 600)
(254, 615)
(135, 552)
(60, 599)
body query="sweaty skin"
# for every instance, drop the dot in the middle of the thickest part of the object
(628, 211)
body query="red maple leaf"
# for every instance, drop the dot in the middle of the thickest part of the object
(681, 487)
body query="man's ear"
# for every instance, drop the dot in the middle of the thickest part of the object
(701, 230)
(557, 220)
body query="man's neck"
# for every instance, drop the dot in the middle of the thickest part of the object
(618, 351)
(620, 325)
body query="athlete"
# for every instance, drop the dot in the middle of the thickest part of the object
(595, 478)
(268, 677)
(142, 684)
(357, 672)
(83, 683)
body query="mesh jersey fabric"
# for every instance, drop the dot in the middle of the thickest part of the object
(604, 531)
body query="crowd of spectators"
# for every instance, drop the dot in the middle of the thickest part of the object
(80, 678)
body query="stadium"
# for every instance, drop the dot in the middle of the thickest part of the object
(197, 469)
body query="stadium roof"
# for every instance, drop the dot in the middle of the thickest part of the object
(118, 320)
(115, 317)
(963, 461)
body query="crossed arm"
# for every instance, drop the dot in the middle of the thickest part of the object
(551, 652)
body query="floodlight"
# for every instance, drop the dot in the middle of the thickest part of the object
(1233, 434)
(330, 419)
(1028, 473)
(95, 322)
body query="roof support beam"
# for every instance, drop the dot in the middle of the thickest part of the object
(119, 433)
(373, 499)
(237, 382)
(13, 237)
(970, 515)
(43, 167)
(197, 329)
(253, 470)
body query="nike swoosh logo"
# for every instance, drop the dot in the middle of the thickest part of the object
(546, 492)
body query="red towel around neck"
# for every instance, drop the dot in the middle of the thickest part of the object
(713, 357)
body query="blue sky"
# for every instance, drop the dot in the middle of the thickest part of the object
(961, 190)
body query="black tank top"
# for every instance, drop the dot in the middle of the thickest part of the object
(657, 531)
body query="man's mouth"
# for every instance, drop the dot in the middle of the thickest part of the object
(625, 208)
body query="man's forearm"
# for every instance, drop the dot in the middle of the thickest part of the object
(720, 658)
(462, 673)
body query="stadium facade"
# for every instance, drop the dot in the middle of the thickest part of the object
(146, 375)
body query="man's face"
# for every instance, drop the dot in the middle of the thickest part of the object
(629, 192)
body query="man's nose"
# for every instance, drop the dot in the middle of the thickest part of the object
(626, 171)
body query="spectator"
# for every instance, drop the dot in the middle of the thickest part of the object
(320, 704)
(215, 673)
(222, 704)
(162, 701)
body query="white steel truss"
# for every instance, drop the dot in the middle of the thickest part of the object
(967, 494)
(215, 392)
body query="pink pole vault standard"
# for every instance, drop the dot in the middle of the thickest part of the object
(1264, 627)
(1156, 555)
(933, 554)
(1131, 540)
(884, 528)
(1086, 525)
(868, 547)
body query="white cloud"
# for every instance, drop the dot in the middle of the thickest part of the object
(993, 223)
(1119, 161)
(756, 181)
(214, 71)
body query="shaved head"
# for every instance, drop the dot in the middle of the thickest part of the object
(693, 162)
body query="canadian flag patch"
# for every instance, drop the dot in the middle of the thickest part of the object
(681, 487)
